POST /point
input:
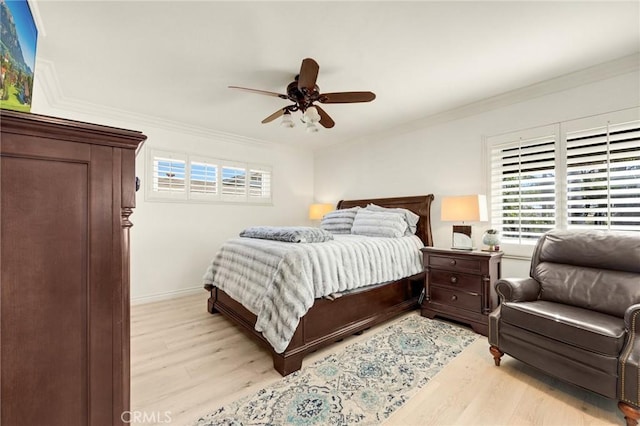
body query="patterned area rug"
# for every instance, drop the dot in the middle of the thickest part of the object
(361, 385)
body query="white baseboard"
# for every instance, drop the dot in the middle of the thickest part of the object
(166, 295)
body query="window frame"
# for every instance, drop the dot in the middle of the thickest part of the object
(152, 177)
(189, 195)
(233, 195)
(561, 130)
(203, 195)
(265, 171)
(522, 144)
(612, 128)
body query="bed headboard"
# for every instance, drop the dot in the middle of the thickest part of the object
(420, 205)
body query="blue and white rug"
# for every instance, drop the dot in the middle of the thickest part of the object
(361, 385)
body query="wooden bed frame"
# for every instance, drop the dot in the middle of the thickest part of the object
(331, 320)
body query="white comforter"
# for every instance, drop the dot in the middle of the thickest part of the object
(279, 281)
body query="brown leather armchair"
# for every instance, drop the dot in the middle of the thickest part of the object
(577, 317)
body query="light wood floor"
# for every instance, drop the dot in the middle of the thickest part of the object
(186, 362)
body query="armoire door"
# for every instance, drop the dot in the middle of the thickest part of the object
(64, 265)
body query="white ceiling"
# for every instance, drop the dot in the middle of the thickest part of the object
(174, 59)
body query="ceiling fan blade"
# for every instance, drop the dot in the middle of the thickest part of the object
(273, 116)
(308, 74)
(260, 92)
(346, 97)
(325, 120)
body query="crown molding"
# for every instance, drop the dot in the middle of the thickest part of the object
(48, 81)
(603, 71)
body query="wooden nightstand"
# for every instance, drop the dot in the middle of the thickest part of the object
(460, 285)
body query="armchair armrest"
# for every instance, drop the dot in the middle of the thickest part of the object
(630, 358)
(632, 318)
(518, 289)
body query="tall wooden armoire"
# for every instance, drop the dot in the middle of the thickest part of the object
(67, 191)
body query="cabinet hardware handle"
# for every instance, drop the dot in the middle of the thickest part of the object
(454, 279)
(454, 297)
(452, 262)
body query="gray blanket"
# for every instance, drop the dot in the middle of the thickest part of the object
(289, 234)
(279, 281)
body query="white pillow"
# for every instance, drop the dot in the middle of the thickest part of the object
(339, 221)
(410, 217)
(379, 224)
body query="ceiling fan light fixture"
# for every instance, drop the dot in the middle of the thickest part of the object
(311, 115)
(311, 127)
(287, 121)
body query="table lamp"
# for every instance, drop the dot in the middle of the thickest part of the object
(317, 211)
(469, 208)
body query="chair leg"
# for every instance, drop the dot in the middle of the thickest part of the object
(497, 354)
(631, 414)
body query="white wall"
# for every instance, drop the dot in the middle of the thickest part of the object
(172, 243)
(446, 157)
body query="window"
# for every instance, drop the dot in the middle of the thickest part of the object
(603, 177)
(523, 175)
(168, 174)
(259, 184)
(204, 179)
(580, 174)
(176, 176)
(234, 181)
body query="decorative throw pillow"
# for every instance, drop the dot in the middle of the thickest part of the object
(379, 224)
(410, 217)
(339, 221)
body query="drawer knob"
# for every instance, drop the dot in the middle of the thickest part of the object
(454, 279)
(452, 262)
(454, 297)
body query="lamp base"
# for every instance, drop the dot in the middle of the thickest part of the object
(462, 238)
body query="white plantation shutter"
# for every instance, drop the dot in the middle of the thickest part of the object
(168, 179)
(259, 183)
(603, 177)
(523, 175)
(204, 178)
(184, 177)
(234, 182)
(578, 174)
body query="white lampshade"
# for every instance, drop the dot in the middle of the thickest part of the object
(286, 120)
(317, 211)
(311, 115)
(311, 128)
(470, 208)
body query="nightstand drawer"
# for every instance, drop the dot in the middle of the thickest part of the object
(454, 298)
(466, 282)
(455, 263)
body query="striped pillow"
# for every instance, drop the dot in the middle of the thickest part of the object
(411, 218)
(379, 224)
(339, 221)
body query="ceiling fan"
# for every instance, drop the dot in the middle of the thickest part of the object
(304, 93)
